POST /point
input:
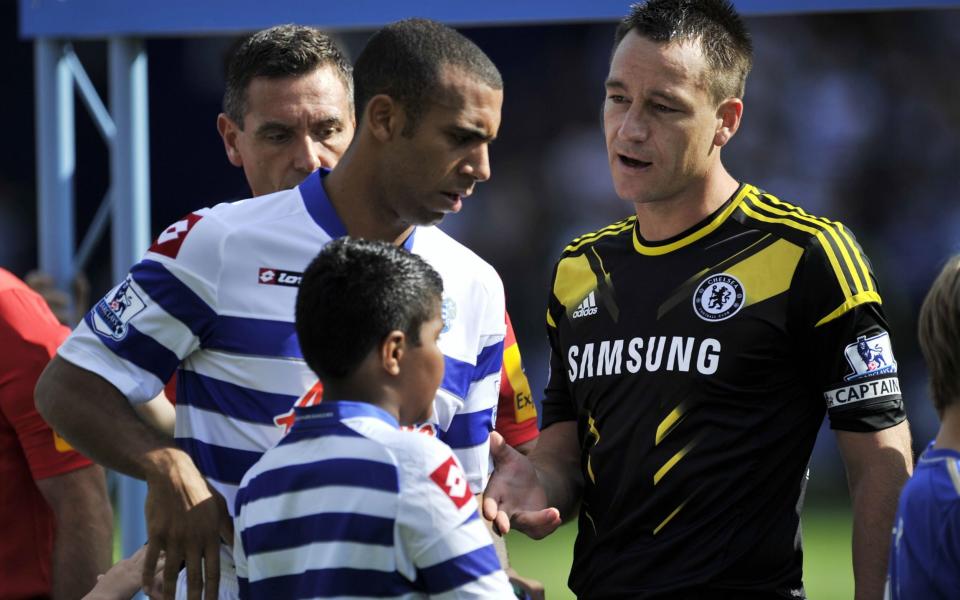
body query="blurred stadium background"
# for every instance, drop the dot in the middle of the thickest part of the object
(852, 115)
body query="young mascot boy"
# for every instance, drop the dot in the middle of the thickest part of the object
(925, 553)
(347, 504)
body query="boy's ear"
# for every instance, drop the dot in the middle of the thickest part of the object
(391, 351)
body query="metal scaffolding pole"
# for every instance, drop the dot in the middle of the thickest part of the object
(56, 160)
(130, 231)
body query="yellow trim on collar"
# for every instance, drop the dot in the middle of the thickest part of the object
(696, 235)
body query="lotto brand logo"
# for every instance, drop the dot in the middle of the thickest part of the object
(269, 276)
(170, 239)
(451, 480)
(586, 308)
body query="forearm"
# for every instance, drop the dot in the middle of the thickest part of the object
(878, 464)
(556, 459)
(83, 535)
(98, 421)
(874, 506)
(562, 487)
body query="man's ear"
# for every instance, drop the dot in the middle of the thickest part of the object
(729, 114)
(384, 117)
(392, 349)
(229, 132)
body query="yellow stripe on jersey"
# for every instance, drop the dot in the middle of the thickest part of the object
(696, 235)
(864, 298)
(669, 423)
(592, 431)
(848, 249)
(600, 262)
(574, 281)
(683, 292)
(618, 227)
(768, 272)
(669, 517)
(843, 232)
(817, 233)
(586, 513)
(674, 460)
(550, 320)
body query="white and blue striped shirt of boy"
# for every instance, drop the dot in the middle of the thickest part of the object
(348, 505)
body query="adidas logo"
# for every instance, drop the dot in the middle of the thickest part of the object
(587, 308)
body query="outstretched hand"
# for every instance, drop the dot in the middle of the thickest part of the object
(186, 519)
(514, 496)
(123, 580)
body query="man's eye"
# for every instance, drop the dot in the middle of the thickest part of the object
(662, 108)
(276, 138)
(617, 98)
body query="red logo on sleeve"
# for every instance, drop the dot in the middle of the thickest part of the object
(169, 241)
(452, 481)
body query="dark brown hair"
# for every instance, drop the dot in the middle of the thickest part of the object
(714, 24)
(281, 51)
(939, 333)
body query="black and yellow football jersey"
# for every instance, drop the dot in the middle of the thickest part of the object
(698, 370)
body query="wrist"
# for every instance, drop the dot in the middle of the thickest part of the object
(167, 464)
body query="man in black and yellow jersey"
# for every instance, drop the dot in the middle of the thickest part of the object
(696, 347)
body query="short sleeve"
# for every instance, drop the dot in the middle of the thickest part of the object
(846, 336)
(138, 333)
(440, 532)
(516, 412)
(29, 335)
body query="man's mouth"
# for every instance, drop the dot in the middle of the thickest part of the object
(456, 200)
(632, 162)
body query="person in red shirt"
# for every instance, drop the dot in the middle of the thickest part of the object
(55, 516)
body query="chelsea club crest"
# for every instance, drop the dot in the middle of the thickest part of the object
(718, 297)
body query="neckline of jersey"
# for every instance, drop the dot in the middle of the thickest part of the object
(321, 210)
(338, 410)
(691, 235)
(935, 454)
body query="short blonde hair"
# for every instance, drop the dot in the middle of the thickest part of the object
(939, 333)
